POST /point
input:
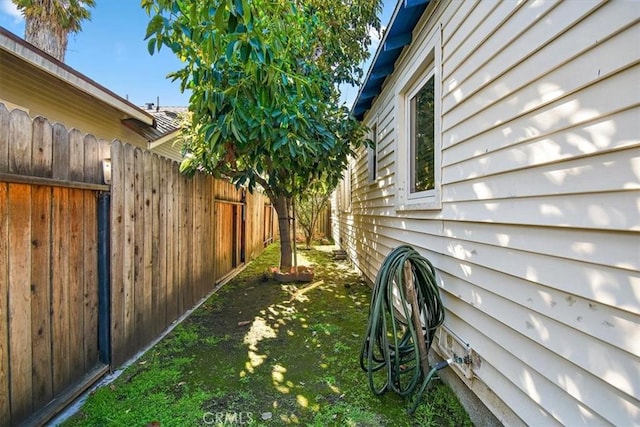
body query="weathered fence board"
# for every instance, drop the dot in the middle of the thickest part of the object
(76, 155)
(41, 295)
(5, 411)
(170, 243)
(186, 236)
(93, 155)
(194, 264)
(117, 257)
(323, 225)
(137, 306)
(42, 153)
(157, 310)
(20, 147)
(61, 152)
(239, 242)
(20, 299)
(147, 253)
(76, 282)
(253, 224)
(128, 252)
(60, 270)
(183, 244)
(4, 138)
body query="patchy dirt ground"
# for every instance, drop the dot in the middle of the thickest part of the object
(259, 352)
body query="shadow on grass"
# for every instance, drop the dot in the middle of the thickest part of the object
(263, 353)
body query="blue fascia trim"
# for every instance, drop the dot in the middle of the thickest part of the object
(414, 3)
(381, 72)
(397, 42)
(398, 34)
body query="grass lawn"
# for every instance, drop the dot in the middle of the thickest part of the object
(263, 353)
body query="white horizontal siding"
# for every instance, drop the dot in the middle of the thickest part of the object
(548, 73)
(557, 178)
(611, 211)
(536, 399)
(488, 63)
(595, 247)
(498, 379)
(501, 151)
(170, 150)
(526, 117)
(536, 243)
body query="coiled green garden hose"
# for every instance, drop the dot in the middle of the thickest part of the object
(391, 354)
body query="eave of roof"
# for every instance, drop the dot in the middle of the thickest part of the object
(168, 137)
(397, 35)
(148, 132)
(165, 128)
(29, 53)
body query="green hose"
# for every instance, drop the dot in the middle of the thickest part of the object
(390, 353)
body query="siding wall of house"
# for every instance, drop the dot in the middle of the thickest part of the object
(171, 150)
(537, 241)
(32, 89)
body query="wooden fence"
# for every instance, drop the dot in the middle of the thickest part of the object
(323, 227)
(171, 239)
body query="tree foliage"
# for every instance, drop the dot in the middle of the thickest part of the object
(264, 76)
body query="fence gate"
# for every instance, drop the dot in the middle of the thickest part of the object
(49, 283)
(230, 229)
(49, 181)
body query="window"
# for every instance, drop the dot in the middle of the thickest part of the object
(345, 190)
(418, 154)
(422, 136)
(372, 154)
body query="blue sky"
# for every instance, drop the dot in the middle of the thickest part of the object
(111, 50)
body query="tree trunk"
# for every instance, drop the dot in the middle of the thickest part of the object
(295, 234)
(282, 209)
(312, 228)
(46, 36)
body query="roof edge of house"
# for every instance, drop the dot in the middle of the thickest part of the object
(27, 52)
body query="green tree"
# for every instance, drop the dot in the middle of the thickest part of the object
(264, 76)
(309, 206)
(49, 22)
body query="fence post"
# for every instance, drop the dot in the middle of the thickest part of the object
(104, 278)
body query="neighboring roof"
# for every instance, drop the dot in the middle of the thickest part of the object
(166, 122)
(167, 118)
(25, 51)
(397, 35)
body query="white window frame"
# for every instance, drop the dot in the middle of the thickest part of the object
(427, 63)
(372, 154)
